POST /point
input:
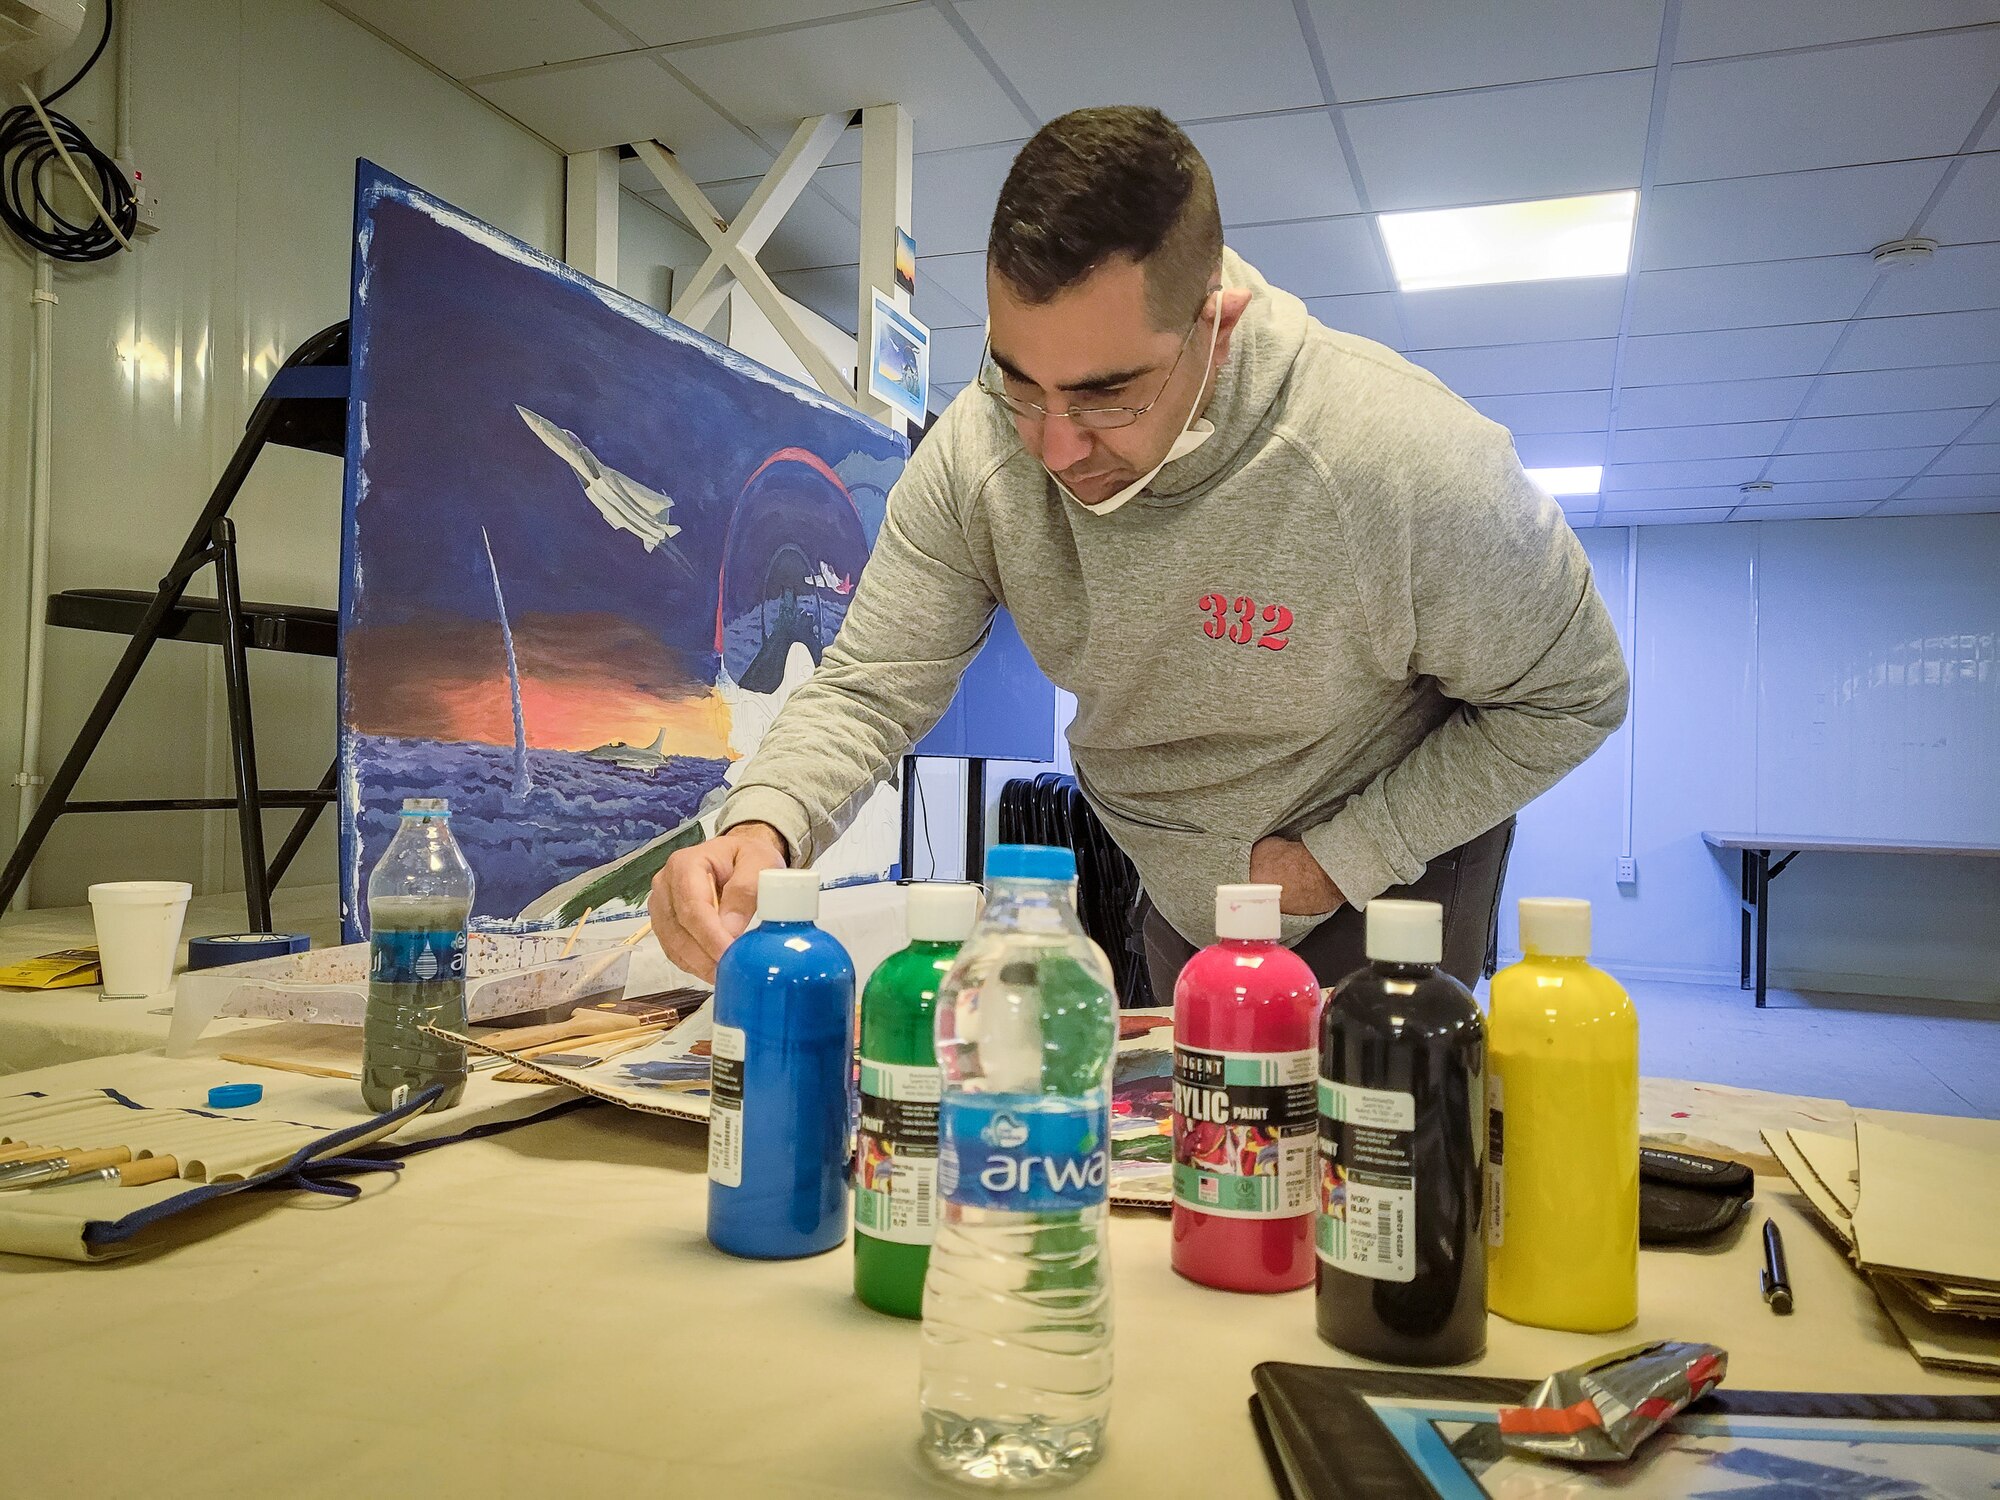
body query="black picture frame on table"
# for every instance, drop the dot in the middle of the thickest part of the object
(1330, 1434)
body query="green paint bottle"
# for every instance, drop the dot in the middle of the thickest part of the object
(895, 1163)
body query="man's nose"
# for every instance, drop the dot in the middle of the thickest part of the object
(1064, 444)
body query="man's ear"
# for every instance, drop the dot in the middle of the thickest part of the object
(1232, 303)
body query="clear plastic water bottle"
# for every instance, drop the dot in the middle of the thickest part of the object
(419, 901)
(1017, 1303)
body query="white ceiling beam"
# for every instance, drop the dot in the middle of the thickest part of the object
(788, 177)
(885, 208)
(590, 213)
(742, 267)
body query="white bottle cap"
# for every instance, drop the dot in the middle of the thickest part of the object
(942, 911)
(788, 895)
(1555, 926)
(1247, 912)
(1406, 932)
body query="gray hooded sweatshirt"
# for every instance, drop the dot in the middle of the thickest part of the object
(1347, 618)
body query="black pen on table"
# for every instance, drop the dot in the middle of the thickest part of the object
(1777, 1286)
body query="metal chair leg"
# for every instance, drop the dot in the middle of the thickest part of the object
(242, 741)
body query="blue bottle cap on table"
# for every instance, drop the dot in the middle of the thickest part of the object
(1030, 862)
(234, 1095)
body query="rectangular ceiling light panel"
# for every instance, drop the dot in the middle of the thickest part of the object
(1585, 479)
(1546, 240)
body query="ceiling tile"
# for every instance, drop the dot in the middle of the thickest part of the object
(1964, 505)
(1565, 411)
(1903, 429)
(1954, 487)
(1718, 440)
(659, 22)
(962, 276)
(955, 354)
(1915, 96)
(952, 195)
(910, 56)
(1685, 497)
(1721, 28)
(1198, 61)
(1728, 401)
(1372, 315)
(1879, 463)
(1728, 354)
(829, 291)
(1935, 388)
(1379, 49)
(630, 98)
(467, 41)
(1559, 450)
(937, 308)
(1969, 211)
(1277, 167)
(1697, 471)
(1985, 430)
(1831, 492)
(1534, 311)
(1835, 212)
(1969, 458)
(1538, 140)
(1690, 517)
(1521, 369)
(1318, 258)
(1750, 295)
(1821, 511)
(1959, 278)
(1924, 339)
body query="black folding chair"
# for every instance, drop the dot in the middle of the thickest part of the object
(305, 406)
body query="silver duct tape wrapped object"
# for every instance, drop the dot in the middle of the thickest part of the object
(1602, 1411)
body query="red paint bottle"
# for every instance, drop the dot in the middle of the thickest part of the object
(1246, 1122)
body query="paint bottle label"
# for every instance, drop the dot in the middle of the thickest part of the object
(1496, 1177)
(1244, 1131)
(895, 1167)
(1024, 1153)
(725, 1107)
(1367, 1151)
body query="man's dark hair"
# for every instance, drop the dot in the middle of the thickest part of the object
(1096, 183)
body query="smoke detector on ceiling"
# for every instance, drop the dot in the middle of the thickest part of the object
(1900, 255)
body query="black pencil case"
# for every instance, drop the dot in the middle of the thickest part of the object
(1685, 1199)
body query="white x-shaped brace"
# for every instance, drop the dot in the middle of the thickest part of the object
(732, 248)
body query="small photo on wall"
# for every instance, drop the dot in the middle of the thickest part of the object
(906, 261)
(899, 374)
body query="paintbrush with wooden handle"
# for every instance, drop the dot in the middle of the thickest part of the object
(139, 1173)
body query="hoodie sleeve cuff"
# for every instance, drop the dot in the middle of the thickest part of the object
(1351, 858)
(764, 804)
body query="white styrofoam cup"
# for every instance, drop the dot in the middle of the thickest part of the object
(138, 933)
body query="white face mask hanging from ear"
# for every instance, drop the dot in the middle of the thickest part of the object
(1192, 435)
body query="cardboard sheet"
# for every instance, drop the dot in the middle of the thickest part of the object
(1940, 1341)
(1930, 1199)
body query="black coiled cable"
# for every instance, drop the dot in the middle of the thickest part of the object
(28, 158)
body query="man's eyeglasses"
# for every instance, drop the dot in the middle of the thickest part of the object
(1091, 418)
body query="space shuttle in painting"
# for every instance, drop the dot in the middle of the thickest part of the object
(620, 499)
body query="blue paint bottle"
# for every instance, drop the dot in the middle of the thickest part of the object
(778, 1122)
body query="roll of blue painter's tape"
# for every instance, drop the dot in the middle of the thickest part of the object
(242, 947)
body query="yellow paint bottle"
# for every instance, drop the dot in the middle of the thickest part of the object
(1562, 1188)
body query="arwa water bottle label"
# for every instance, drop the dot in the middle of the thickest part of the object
(403, 956)
(1245, 1124)
(725, 1106)
(1367, 1159)
(896, 1165)
(1023, 1153)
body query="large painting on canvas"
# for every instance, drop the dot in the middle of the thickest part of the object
(587, 555)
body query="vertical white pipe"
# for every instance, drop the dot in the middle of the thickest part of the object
(41, 403)
(1632, 672)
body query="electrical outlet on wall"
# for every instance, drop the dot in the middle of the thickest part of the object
(145, 194)
(1628, 870)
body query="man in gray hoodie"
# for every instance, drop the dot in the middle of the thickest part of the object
(1322, 630)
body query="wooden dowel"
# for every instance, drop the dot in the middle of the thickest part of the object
(311, 1070)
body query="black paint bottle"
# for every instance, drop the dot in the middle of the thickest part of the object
(1402, 1111)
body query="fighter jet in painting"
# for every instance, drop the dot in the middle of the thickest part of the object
(649, 758)
(619, 498)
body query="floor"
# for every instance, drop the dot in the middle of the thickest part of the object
(1936, 1057)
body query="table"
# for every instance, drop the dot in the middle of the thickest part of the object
(538, 1312)
(1758, 873)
